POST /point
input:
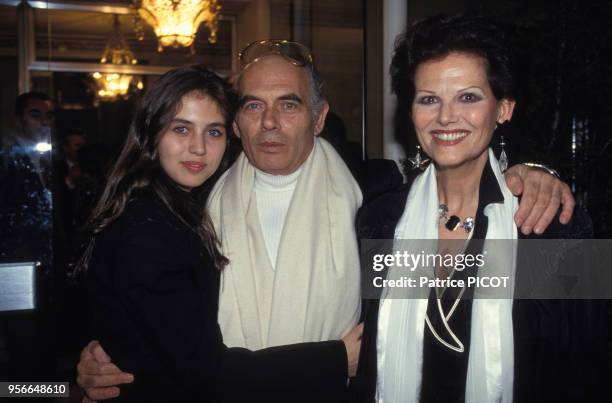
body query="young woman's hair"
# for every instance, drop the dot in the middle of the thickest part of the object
(138, 164)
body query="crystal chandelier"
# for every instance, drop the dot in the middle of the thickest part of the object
(111, 86)
(176, 22)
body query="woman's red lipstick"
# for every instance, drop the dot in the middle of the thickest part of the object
(449, 137)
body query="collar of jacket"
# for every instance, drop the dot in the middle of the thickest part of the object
(378, 219)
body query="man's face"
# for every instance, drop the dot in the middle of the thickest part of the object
(275, 121)
(73, 145)
(36, 120)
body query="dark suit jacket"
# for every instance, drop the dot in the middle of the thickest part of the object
(376, 176)
(558, 344)
(155, 297)
(25, 209)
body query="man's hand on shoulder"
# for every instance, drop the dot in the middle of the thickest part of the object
(98, 376)
(542, 194)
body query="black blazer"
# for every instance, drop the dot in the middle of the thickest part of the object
(155, 296)
(26, 214)
(559, 344)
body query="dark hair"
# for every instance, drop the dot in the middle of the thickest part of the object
(435, 37)
(138, 164)
(22, 101)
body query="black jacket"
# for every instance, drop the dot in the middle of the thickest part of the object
(558, 344)
(26, 215)
(155, 297)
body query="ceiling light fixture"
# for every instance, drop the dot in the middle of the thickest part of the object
(176, 22)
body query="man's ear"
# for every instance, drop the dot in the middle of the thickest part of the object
(505, 109)
(320, 122)
(236, 129)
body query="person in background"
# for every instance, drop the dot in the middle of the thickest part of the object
(74, 140)
(25, 183)
(26, 222)
(66, 175)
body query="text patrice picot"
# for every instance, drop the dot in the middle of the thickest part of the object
(411, 261)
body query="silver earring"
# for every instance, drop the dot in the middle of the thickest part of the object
(503, 157)
(418, 162)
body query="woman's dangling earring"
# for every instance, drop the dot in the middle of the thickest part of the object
(503, 157)
(418, 162)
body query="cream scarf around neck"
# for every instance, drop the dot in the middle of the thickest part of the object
(314, 294)
(401, 324)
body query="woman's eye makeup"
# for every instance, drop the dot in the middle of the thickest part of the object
(470, 97)
(427, 99)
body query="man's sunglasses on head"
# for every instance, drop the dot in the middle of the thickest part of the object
(294, 52)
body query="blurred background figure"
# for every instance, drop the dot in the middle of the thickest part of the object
(375, 176)
(26, 221)
(335, 132)
(66, 174)
(92, 159)
(25, 183)
(70, 170)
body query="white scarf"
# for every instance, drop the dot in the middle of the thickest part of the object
(313, 294)
(402, 321)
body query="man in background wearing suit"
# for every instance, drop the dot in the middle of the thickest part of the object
(26, 223)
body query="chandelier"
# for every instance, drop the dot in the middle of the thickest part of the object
(111, 86)
(176, 22)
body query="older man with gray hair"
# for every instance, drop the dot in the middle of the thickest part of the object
(293, 252)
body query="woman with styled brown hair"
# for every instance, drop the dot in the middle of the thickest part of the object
(455, 343)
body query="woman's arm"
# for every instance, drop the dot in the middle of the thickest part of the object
(158, 326)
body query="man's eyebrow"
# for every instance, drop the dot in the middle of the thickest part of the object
(291, 97)
(247, 98)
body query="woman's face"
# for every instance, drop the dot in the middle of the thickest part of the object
(454, 111)
(192, 147)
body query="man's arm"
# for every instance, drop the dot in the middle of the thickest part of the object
(98, 376)
(542, 194)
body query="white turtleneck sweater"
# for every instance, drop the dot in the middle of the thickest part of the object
(273, 194)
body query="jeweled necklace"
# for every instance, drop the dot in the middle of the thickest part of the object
(453, 222)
